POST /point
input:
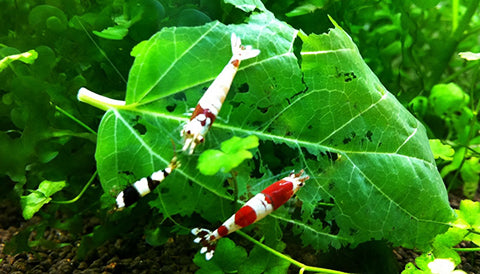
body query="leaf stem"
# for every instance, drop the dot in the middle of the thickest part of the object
(81, 192)
(454, 15)
(473, 231)
(97, 100)
(170, 216)
(233, 181)
(454, 75)
(467, 249)
(64, 112)
(302, 266)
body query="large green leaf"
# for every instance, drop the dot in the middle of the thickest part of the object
(386, 182)
(383, 185)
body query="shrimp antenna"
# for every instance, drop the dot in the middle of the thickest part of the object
(101, 51)
(174, 147)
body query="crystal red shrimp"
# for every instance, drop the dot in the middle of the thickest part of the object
(142, 187)
(211, 102)
(255, 209)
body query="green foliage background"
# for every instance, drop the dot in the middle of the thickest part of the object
(309, 97)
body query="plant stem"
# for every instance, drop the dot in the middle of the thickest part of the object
(471, 128)
(233, 181)
(470, 230)
(467, 249)
(454, 75)
(454, 15)
(97, 100)
(170, 216)
(302, 266)
(81, 192)
(451, 43)
(64, 112)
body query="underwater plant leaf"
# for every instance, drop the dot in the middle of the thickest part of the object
(234, 152)
(470, 172)
(441, 150)
(261, 261)
(365, 153)
(446, 99)
(228, 258)
(247, 5)
(32, 203)
(27, 57)
(112, 33)
(386, 171)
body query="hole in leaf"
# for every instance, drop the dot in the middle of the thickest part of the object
(171, 108)
(259, 124)
(243, 88)
(319, 213)
(140, 128)
(235, 104)
(256, 172)
(126, 172)
(369, 135)
(349, 76)
(348, 139)
(334, 229)
(263, 110)
(276, 156)
(14, 134)
(331, 155)
(180, 96)
(307, 155)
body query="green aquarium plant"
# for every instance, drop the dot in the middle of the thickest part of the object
(329, 100)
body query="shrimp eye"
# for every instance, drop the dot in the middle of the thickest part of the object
(189, 132)
(201, 139)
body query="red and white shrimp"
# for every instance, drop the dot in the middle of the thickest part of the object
(211, 102)
(255, 209)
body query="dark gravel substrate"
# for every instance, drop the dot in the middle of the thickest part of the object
(130, 256)
(121, 256)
